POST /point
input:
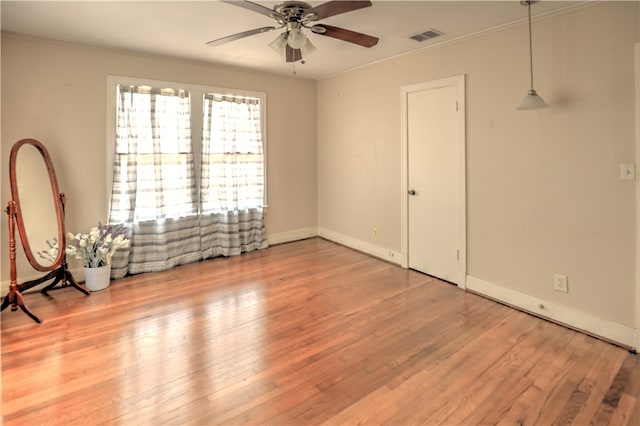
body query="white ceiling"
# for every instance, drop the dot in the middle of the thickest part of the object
(181, 28)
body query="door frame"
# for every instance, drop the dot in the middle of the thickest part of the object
(459, 82)
(637, 188)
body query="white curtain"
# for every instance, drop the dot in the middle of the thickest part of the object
(154, 188)
(232, 177)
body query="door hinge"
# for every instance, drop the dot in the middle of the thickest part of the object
(456, 106)
(458, 254)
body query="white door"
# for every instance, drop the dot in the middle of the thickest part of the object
(435, 181)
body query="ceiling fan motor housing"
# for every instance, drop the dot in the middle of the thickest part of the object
(295, 11)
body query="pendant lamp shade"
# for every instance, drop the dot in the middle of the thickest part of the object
(532, 100)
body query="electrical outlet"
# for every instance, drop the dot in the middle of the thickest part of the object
(560, 283)
(376, 234)
(628, 171)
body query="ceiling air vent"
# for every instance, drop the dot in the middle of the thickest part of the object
(429, 34)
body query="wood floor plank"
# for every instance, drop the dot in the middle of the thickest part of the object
(308, 332)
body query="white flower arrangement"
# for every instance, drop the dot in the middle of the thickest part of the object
(96, 248)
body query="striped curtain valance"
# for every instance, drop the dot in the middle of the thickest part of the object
(219, 97)
(148, 90)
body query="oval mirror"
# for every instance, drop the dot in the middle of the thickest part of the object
(39, 214)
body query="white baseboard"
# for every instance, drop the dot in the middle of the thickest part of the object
(295, 235)
(363, 246)
(571, 317)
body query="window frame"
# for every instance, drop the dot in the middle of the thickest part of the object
(196, 91)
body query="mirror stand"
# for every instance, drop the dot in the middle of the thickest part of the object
(14, 297)
(61, 274)
(36, 210)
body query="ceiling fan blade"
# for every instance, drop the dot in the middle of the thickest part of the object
(335, 7)
(292, 54)
(227, 39)
(345, 35)
(255, 7)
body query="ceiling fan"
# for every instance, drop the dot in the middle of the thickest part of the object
(293, 16)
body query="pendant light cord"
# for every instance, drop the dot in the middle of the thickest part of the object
(530, 44)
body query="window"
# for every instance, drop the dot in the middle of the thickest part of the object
(207, 155)
(188, 167)
(153, 165)
(232, 156)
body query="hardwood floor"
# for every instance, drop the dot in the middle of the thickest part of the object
(303, 333)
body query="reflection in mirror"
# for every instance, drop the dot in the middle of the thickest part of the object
(37, 207)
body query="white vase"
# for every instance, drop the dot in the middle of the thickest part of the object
(97, 278)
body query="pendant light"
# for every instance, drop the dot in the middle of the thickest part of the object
(532, 100)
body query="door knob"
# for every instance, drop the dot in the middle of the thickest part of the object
(412, 192)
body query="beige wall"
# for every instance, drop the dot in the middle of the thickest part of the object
(57, 93)
(544, 193)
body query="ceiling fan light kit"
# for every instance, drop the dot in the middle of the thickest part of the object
(532, 100)
(293, 16)
(279, 45)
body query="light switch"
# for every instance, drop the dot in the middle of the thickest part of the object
(627, 171)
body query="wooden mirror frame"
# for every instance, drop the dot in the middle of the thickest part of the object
(58, 270)
(58, 202)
